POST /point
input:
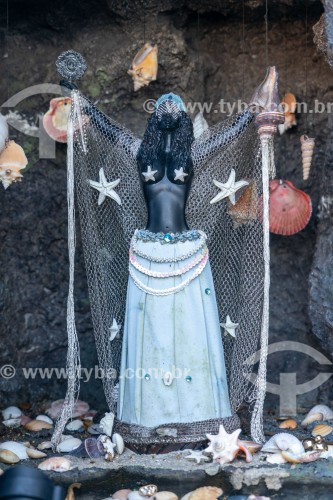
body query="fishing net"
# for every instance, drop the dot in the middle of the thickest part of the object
(321, 30)
(235, 238)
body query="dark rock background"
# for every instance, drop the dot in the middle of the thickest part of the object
(205, 54)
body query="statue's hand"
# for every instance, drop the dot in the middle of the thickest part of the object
(67, 87)
(266, 96)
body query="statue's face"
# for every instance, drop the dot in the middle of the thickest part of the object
(168, 115)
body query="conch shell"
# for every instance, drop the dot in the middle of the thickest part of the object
(56, 118)
(144, 66)
(12, 160)
(225, 447)
(289, 107)
(318, 412)
(307, 147)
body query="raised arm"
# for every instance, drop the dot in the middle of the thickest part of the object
(118, 135)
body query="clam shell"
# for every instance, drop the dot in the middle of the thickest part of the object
(45, 445)
(12, 422)
(165, 495)
(283, 442)
(57, 464)
(19, 449)
(321, 430)
(289, 208)
(8, 457)
(37, 425)
(11, 412)
(290, 423)
(75, 425)
(204, 493)
(119, 442)
(45, 418)
(32, 453)
(121, 494)
(69, 445)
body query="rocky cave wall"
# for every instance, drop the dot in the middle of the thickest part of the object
(205, 54)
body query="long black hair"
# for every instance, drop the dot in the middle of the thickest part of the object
(183, 138)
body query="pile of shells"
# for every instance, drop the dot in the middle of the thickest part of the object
(151, 491)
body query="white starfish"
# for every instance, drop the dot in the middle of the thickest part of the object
(229, 326)
(197, 456)
(180, 174)
(228, 189)
(114, 329)
(105, 188)
(149, 175)
(223, 446)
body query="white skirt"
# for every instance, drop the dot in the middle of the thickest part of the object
(172, 365)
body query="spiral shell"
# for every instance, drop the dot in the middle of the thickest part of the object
(318, 412)
(144, 66)
(283, 442)
(71, 65)
(307, 147)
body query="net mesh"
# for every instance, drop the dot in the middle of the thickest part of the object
(321, 39)
(235, 241)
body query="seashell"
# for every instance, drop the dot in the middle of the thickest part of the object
(148, 490)
(11, 411)
(135, 495)
(75, 425)
(80, 408)
(25, 420)
(327, 453)
(199, 125)
(165, 495)
(57, 464)
(32, 453)
(307, 147)
(204, 493)
(121, 494)
(290, 423)
(318, 412)
(3, 132)
(119, 442)
(168, 378)
(56, 118)
(8, 457)
(225, 447)
(246, 207)
(91, 448)
(70, 492)
(167, 431)
(108, 447)
(106, 424)
(95, 429)
(321, 430)
(12, 160)
(275, 458)
(283, 442)
(45, 445)
(45, 418)
(144, 66)
(37, 425)
(68, 445)
(12, 422)
(289, 107)
(252, 446)
(19, 449)
(306, 457)
(289, 208)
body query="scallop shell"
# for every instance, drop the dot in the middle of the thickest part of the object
(289, 107)
(57, 464)
(56, 118)
(318, 412)
(8, 457)
(37, 425)
(283, 442)
(45, 418)
(321, 430)
(12, 160)
(144, 66)
(11, 412)
(68, 445)
(19, 449)
(290, 423)
(289, 208)
(307, 147)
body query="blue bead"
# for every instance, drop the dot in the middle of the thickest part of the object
(167, 237)
(147, 376)
(208, 291)
(188, 378)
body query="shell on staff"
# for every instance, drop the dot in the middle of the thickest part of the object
(144, 66)
(288, 104)
(307, 147)
(318, 412)
(12, 161)
(246, 207)
(56, 118)
(289, 208)
(283, 442)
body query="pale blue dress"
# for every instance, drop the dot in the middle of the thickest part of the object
(178, 333)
